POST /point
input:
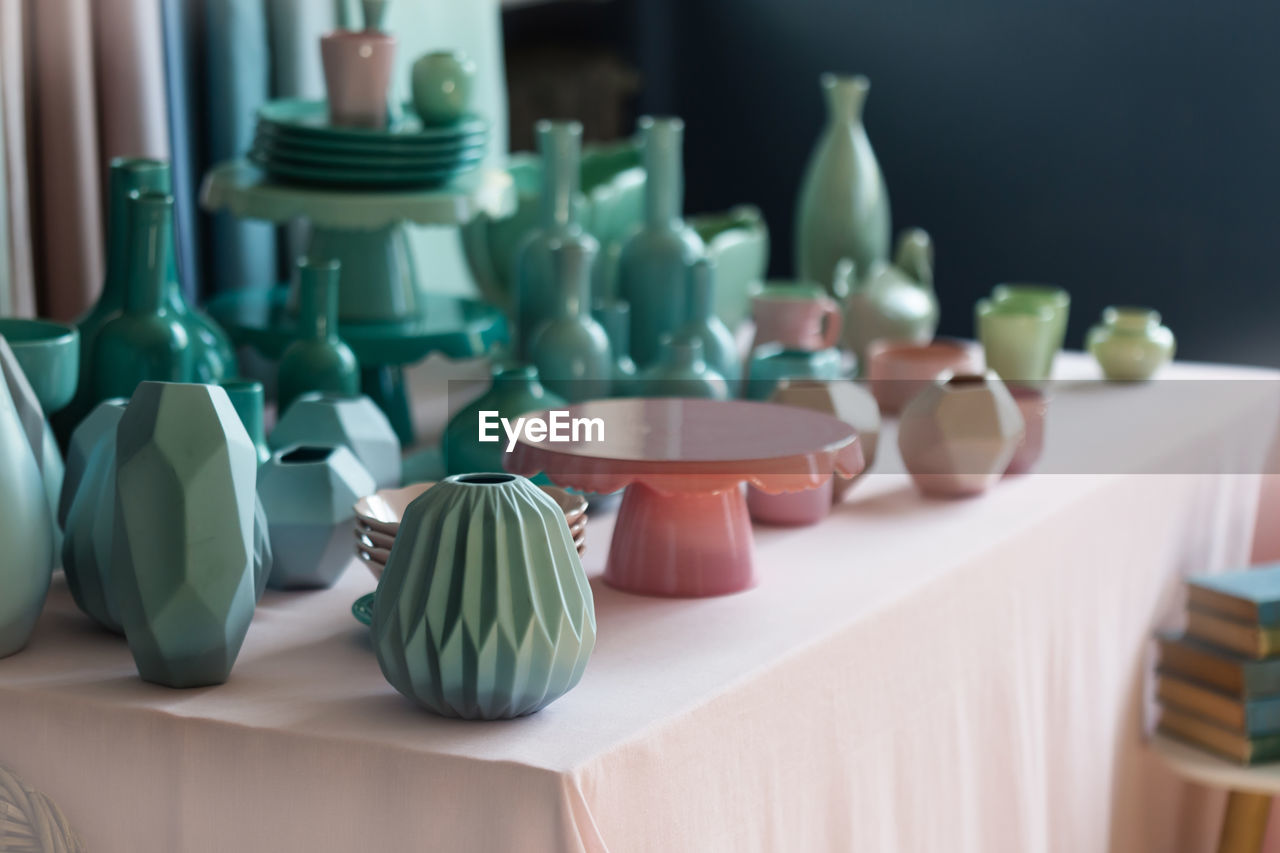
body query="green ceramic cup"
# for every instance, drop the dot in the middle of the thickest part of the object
(49, 354)
(1048, 295)
(1019, 339)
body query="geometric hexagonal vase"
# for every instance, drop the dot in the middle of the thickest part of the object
(309, 495)
(182, 552)
(87, 546)
(958, 435)
(99, 425)
(330, 420)
(484, 611)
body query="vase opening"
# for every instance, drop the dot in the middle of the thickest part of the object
(306, 455)
(966, 380)
(486, 479)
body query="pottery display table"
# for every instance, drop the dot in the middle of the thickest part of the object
(683, 528)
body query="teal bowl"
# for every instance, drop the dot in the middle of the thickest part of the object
(49, 354)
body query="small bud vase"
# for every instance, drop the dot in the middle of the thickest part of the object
(1130, 344)
(318, 360)
(571, 350)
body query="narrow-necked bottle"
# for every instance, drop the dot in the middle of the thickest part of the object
(653, 267)
(718, 348)
(571, 350)
(145, 340)
(536, 292)
(615, 318)
(318, 360)
(681, 371)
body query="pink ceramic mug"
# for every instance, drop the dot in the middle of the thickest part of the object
(898, 370)
(357, 75)
(798, 316)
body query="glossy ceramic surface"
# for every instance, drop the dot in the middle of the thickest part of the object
(290, 152)
(247, 398)
(615, 318)
(719, 349)
(515, 391)
(318, 360)
(49, 354)
(327, 420)
(1130, 344)
(683, 528)
(351, 177)
(849, 401)
(894, 301)
(442, 87)
(681, 371)
(737, 242)
(771, 364)
(1050, 296)
(898, 370)
(791, 509)
(1019, 338)
(309, 119)
(362, 609)
(796, 315)
(570, 349)
(357, 76)
(1034, 406)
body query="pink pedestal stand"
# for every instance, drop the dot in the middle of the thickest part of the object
(683, 529)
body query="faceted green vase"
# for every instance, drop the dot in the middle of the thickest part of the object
(86, 548)
(356, 423)
(571, 350)
(318, 360)
(484, 611)
(99, 425)
(182, 555)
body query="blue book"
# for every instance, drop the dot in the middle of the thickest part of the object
(1232, 673)
(1251, 717)
(1252, 596)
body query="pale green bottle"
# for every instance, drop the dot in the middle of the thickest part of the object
(318, 360)
(718, 347)
(681, 371)
(571, 350)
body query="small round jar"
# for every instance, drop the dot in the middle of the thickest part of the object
(442, 85)
(1130, 344)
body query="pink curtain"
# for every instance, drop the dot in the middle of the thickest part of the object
(130, 74)
(21, 298)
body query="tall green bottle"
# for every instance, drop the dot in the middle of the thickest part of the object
(654, 264)
(718, 346)
(318, 360)
(571, 350)
(146, 340)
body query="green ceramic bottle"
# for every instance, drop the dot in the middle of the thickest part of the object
(571, 350)
(247, 398)
(615, 318)
(843, 207)
(538, 295)
(681, 371)
(318, 360)
(718, 347)
(653, 268)
(145, 341)
(515, 391)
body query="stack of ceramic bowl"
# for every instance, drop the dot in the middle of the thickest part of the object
(378, 520)
(297, 144)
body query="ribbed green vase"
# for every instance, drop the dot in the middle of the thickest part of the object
(484, 611)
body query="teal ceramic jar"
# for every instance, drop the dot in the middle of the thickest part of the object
(718, 346)
(570, 349)
(248, 399)
(146, 341)
(1018, 339)
(1035, 296)
(655, 260)
(49, 355)
(615, 318)
(843, 207)
(894, 302)
(318, 360)
(771, 364)
(516, 391)
(182, 554)
(356, 423)
(681, 371)
(1130, 344)
(309, 494)
(539, 295)
(484, 611)
(442, 85)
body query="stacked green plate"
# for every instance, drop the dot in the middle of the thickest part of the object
(295, 143)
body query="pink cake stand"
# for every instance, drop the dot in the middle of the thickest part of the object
(683, 528)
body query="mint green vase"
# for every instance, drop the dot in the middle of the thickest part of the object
(484, 611)
(615, 318)
(654, 265)
(318, 360)
(718, 347)
(539, 296)
(248, 399)
(843, 207)
(334, 420)
(681, 371)
(570, 349)
(515, 391)
(146, 341)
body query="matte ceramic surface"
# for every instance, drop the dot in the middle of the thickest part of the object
(528, 645)
(1130, 344)
(382, 511)
(718, 346)
(1034, 406)
(264, 559)
(318, 360)
(308, 494)
(357, 76)
(737, 242)
(653, 267)
(442, 87)
(850, 402)
(791, 509)
(683, 528)
(247, 397)
(49, 354)
(44, 447)
(515, 391)
(843, 207)
(771, 364)
(182, 555)
(899, 370)
(570, 349)
(1050, 296)
(90, 534)
(325, 420)
(1019, 338)
(681, 371)
(958, 436)
(309, 119)
(98, 427)
(895, 301)
(797, 316)
(615, 318)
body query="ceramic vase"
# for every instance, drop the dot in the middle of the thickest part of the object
(615, 318)
(484, 611)
(798, 316)
(263, 556)
(357, 76)
(539, 294)
(843, 207)
(26, 532)
(570, 349)
(895, 301)
(248, 398)
(49, 355)
(848, 401)
(146, 341)
(516, 391)
(308, 494)
(1048, 296)
(718, 347)
(99, 426)
(182, 554)
(44, 446)
(356, 423)
(1019, 339)
(958, 436)
(771, 365)
(318, 360)
(681, 371)
(1130, 344)
(87, 546)
(653, 267)
(899, 370)
(442, 85)
(1034, 406)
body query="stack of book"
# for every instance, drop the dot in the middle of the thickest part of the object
(1218, 683)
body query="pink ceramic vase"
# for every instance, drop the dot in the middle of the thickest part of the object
(357, 75)
(1034, 405)
(899, 370)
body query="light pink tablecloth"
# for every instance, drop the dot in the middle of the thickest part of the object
(910, 675)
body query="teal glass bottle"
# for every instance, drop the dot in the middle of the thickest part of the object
(615, 318)
(571, 350)
(515, 391)
(653, 266)
(718, 347)
(681, 371)
(247, 398)
(318, 360)
(538, 295)
(145, 341)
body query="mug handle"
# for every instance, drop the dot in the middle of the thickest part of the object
(832, 323)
